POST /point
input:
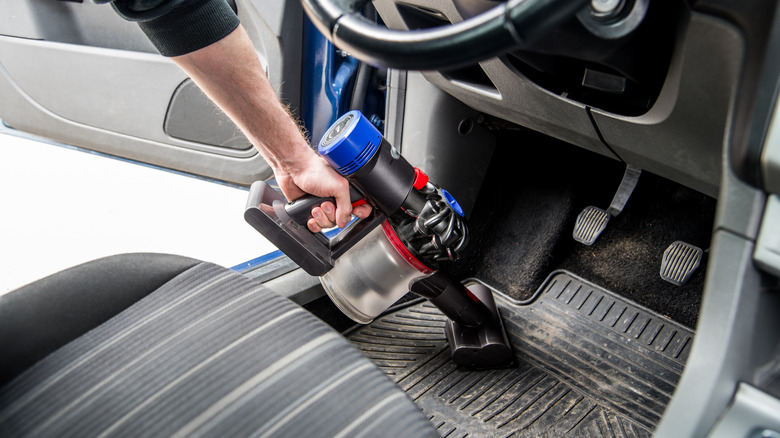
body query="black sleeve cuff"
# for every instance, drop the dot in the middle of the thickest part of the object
(189, 26)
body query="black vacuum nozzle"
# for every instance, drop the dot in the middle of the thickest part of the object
(474, 328)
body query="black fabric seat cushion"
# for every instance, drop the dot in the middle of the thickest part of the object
(210, 353)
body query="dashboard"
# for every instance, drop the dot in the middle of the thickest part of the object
(650, 83)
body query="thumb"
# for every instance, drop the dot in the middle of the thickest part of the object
(289, 189)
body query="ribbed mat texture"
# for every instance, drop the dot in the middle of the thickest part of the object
(211, 353)
(588, 364)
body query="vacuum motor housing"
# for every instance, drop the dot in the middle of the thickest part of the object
(427, 219)
(357, 150)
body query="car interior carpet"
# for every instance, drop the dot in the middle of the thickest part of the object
(519, 219)
(627, 256)
(587, 363)
(521, 228)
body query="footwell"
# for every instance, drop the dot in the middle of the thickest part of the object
(588, 363)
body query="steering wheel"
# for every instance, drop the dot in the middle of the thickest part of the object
(507, 26)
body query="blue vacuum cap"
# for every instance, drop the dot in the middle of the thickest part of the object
(349, 143)
(453, 203)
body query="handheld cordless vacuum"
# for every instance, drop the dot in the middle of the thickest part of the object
(414, 228)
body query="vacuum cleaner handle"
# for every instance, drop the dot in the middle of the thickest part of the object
(266, 211)
(300, 209)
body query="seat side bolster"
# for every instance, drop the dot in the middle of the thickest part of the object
(39, 318)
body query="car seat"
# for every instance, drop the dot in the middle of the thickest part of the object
(161, 345)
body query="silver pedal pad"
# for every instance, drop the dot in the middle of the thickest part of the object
(591, 222)
(679, 262)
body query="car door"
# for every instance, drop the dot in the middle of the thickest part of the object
(77, 73)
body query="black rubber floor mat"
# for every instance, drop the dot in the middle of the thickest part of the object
(588, 364)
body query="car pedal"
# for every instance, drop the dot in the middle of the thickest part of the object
(679, 262)
(592, 221)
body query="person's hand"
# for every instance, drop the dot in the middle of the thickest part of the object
(315, 176)
(231, 75)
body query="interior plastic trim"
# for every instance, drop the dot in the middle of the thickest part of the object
(767, 254)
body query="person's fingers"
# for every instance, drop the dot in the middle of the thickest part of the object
(312, 225)
(330, 211)
(320, 219)
(343, 205)
(323, 217)
(362, 211)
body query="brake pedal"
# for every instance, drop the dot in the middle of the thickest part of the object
(679, 262)
(592, 221)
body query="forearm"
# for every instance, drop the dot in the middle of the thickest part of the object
(219, 57)
(230, 73)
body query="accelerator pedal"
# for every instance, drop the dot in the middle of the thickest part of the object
(679, 262)
(592, 221)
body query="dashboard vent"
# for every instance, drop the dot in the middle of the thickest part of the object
(418, 17)
(473, 76)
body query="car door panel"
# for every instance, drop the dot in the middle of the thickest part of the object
(79, 74)
(81, 23)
